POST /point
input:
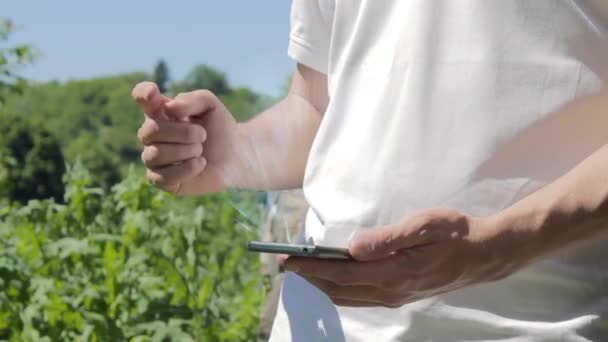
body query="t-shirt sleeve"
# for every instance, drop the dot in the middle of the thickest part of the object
(310, 35)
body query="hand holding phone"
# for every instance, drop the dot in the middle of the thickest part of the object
(310, 251)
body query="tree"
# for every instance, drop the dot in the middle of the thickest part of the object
(31, 161)
(11, 58)
(243, 103)
(95, 120)
(161, 75)
(99, 159)
(203, 77)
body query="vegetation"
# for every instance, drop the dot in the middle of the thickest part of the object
(97, 120)
(129, 264)
(11, 58)
(29, 154)
(161, 75)
(92, 253)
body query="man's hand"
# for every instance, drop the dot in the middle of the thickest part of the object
(442, 250)
(193, 145)
(427, 254)
(188, 141)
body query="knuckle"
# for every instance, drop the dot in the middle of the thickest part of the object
(148, 131)
(155, 179)
(197, 150)
(181, 95)
(189, 166)
(150, 154)
(427, 217)
(204, 94)
(141, 137)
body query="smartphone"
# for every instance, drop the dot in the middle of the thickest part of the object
(299, 250)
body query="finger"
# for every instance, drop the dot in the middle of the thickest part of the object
(378, 243)
(168, 177)
(149, 98)
(418, 230)
(159, 155)
(343, 272)
(358, 293)
(190, 104)
(163, 131)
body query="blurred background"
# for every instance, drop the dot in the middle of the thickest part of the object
(89, 251)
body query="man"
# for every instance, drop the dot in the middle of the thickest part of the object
(458, 148)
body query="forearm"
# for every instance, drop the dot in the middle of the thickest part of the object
(276, 145)
(570, 210)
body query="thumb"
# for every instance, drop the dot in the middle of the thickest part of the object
(149, 98)
(381, 242)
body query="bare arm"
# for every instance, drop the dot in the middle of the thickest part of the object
(276, 143)
(441, 250)
(193, 145)
(572, 209)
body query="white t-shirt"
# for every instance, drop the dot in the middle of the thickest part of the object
(448, 103)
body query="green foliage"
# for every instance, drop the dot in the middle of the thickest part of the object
(203, 77)
(11, 58)
(95, 120)
(129, 264)
(106, 262)
(31, 161)
(161, 75)
(243, 103)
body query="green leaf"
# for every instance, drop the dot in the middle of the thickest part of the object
(204, 293)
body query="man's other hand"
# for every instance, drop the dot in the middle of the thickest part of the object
(425, 255)
(188, 141)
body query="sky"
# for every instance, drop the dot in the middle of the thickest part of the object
(83, 39)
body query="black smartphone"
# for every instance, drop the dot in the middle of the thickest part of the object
(310, 251)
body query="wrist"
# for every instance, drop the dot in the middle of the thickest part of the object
(508, 242)
(239, 170)
(528, 231)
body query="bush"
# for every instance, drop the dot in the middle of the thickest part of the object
(31, 161)
(130, 264)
